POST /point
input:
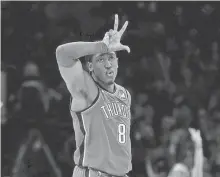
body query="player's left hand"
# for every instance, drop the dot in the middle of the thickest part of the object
(112, 38)
(196, 137)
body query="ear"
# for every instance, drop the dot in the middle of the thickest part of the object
(117, 63)
(90, 66)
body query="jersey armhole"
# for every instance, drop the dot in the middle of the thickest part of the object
(83, 110)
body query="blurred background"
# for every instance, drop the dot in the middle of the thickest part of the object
(172, 74)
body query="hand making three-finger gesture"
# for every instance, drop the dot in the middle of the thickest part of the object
(112, 38)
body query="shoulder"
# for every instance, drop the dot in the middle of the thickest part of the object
(124, 93)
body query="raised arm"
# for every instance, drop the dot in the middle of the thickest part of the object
(70, 67)
(198, 157)
(77, 80)
(68, 54)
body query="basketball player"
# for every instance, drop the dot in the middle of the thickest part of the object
(189, 157)
(100, 108)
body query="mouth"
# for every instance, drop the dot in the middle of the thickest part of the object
(110, 73)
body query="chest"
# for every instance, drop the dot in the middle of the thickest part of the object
(108, 110)
(113, 106)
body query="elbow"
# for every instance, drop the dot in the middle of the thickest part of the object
(66, 51)
(63, 57)
(59, 51)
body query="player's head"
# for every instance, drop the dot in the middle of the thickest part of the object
(185, 151)
(103, 67)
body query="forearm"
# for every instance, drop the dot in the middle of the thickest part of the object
(198, 163)
(66, 53)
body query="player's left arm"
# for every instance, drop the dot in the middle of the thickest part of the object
(198, 157)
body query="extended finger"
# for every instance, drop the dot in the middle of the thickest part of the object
(106, 38)
(125, 47)
(111, 31)
(123, 28)
(116, 22)
(106, 35)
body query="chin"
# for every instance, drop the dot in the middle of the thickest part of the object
(110, 82)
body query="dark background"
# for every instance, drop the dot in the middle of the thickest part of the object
(172, 74)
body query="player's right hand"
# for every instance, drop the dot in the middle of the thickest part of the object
(112, 38)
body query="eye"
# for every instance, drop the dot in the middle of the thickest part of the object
(100, 60)
(112, 58)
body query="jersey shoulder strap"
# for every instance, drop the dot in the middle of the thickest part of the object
(123, 94)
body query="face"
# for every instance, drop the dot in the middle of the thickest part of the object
(105, 67)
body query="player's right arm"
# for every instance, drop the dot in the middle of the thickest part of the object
(79, 83)
(68, 54)
(70, 67)
(77, 80)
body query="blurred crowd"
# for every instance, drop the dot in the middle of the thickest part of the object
(172, 74)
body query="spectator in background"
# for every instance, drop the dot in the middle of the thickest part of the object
(157, 168)
(32, 88)
(189, 156)
(183, 116)
(33, 97)
(206, 168)
(65, 156)
(32, 101)
(168, 123)
(143, 136)
(28, 106)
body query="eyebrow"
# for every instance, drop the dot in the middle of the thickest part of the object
(103, 54)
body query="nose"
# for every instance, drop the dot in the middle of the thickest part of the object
(108, 64)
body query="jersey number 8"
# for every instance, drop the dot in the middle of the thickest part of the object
(121, 133)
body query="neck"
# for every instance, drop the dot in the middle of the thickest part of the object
(109, 87)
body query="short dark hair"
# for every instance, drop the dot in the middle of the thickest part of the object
(85, 60)
(88, 58)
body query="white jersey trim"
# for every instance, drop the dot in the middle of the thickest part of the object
(85, 140)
